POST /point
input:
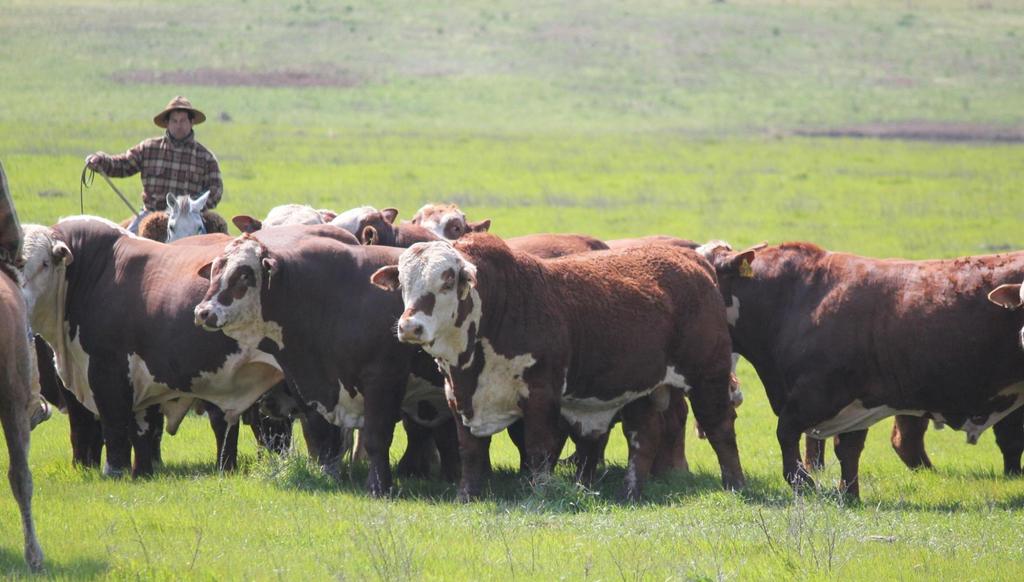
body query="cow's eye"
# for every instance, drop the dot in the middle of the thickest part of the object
(448, 286)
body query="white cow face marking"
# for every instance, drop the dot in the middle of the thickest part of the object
(352, 220)
(440, 302)
(447, 221)
(233, 302)
(184, 216)
(46, 258)
(292, 214)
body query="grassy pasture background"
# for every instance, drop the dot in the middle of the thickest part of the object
(616, 119)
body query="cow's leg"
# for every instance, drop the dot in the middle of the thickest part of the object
(113, 395)
(517, 434)
(476, 463)
(227, 438)
(542, 438)
(642, 424)
(814, 455)
(908, 440)
(383, 401)
(447, 440)
(323, 440)
(86, 433)
(155, 418)
(712, 407)
(145, 423)
(1010, 438)
(419, 450)
(788, 433)
(271, 434)
(671, 454)
(849, 446)
(588, 455)
(15, 420)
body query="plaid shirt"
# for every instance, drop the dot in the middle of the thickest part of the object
(168, 165)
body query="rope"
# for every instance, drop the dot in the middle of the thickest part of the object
(88, 177)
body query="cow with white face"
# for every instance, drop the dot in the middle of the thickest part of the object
(574, 340)
(120, 362)
(448, 221)
(308, 302)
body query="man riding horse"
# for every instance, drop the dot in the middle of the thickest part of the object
(175, 163)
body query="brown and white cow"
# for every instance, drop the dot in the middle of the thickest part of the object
(332, 336)
(655, 239)
(447, 221)
(284, 215)
(355, 220)
(841, 341)
(19, 401)
(117, 309)
(582, 338)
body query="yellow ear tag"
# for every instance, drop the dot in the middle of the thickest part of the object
(745, 270)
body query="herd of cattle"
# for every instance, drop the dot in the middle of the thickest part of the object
(357, 321)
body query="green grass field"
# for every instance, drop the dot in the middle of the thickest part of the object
(614, 119)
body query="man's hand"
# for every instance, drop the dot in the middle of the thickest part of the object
(93, 161)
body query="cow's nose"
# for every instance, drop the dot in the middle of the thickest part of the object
(205, 317)
(409, 330)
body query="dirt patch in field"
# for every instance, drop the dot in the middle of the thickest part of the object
(239, 78)
(924, 131)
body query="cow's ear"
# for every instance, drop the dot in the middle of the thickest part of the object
(467, 280)
(740, 263)
(386, 278)
(481, 226)
(369, 236)
(246, 223)
(389, 214)
(62, 254)
(205, 270)
(327, 215)
(1007, 296)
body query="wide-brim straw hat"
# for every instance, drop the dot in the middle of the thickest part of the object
(179, 102)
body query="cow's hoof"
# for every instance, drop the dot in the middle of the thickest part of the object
(332, 470)
(802, 481)
(734, 483)
(112, 473)
(413, 470)
(468, 495)
(34, 557)
(380, 492)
